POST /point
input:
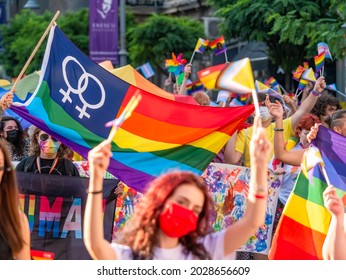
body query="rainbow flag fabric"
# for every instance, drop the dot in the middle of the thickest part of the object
(194, 87)
(319, 61)
(274, 84)
(302, 84)
(323, 47)
(298, 73)
(76, 97)
(309, 75)
(218, 46)
(201, 45)
(304, 222)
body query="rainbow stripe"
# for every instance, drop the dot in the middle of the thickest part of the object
(304, 223)
(218, 45)
(160, 135)
(298, 73)
(319, 61)
(302, 84)
(194, 87)
(201, 45)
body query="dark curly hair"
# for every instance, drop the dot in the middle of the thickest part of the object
(323, 101)
(140, 232)
(19, 145)
(35, 146)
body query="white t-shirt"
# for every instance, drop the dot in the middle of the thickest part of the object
(213, 243)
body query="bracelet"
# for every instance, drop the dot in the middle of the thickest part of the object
(260, 196)
(278, 129)
(315, 93)
(94, 192)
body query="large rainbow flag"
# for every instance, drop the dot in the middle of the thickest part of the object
(304, 222)
(76, 97)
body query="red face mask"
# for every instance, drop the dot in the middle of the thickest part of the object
(177, 221)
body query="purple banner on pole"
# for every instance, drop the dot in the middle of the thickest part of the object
(103, 30)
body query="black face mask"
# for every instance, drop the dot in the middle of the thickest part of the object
(12, 135)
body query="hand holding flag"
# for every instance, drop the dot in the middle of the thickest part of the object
(200, 47)
(312, 156)
(131, 105)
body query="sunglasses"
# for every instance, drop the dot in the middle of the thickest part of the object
(44, 137)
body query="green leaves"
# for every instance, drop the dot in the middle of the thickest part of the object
(155, 39)
(291, 28)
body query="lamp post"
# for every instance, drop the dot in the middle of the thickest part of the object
(122, 52)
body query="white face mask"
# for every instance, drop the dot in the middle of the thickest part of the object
(264, 114)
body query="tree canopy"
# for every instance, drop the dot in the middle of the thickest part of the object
(159, 35)
(20, 36)
(290, 28)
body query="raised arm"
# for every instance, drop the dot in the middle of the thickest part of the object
(187, 72)
(232, 156)
(306, 90)
(291, 104)
(97, 246)
(334, 246)
(254, 216)
(309, 102)
(280, 153)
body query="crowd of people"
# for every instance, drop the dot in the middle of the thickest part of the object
(171, 219)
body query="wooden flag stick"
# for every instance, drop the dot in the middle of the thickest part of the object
(193, 54)
(34, 51)
(131, 105)
(325, 174)
(255, 102)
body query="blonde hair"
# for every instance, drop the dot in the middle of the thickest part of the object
(201, 98)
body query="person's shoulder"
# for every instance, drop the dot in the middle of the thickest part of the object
(25, 161)
(70, 167)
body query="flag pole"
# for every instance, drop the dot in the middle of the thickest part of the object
(226, 56)
(325, 174)
(255, 101)
(343, 94)
(131, 105)
(34, 51)
(300, 92)
(193, 54)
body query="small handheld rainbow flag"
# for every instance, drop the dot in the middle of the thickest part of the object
(309, 75)
(302, 84)
(218, 45)
(274, 84)
(194, 87)
(319, 63)
(323, 47)
(201, 45)
(312, 157)
(298, 73)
